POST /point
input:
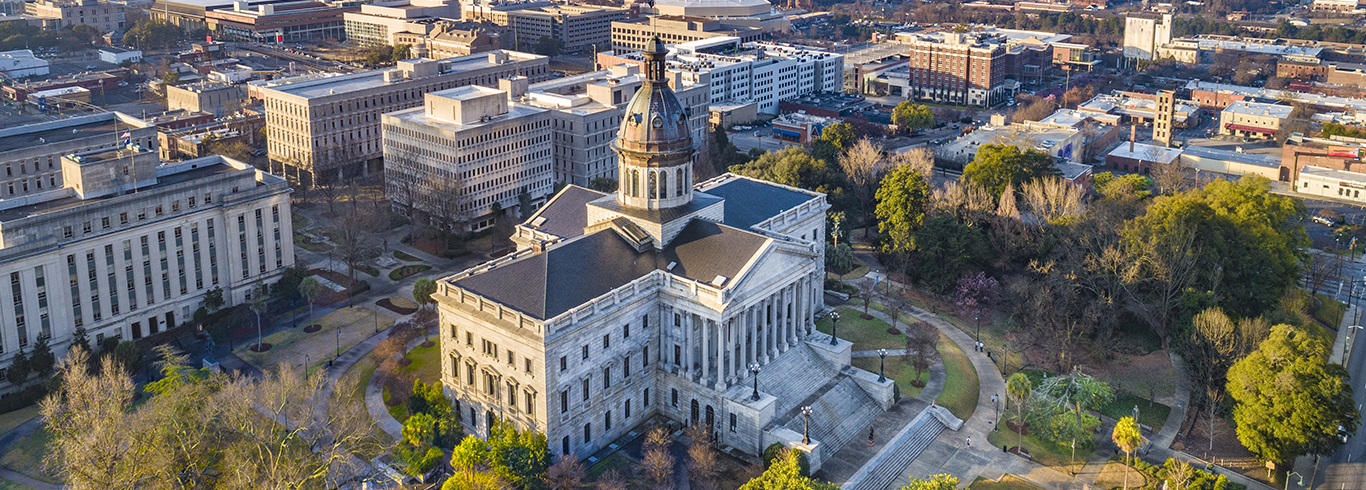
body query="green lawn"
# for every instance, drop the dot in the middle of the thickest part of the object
(1044, 452)
(407, 270)
(865, 334)
(615, 461)
(1330, 313)
(1008, 482)
(858, 271)
(298, 221)
(1150, 414)
(294, 345)
(398, 254)
(311, 247)
(10, 420)
(899, 368)
(26, 456)
(9, 485)
(961, 386)
(428, 369)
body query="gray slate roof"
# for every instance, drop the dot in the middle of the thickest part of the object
(750, 202)
(547, 284)
(566, 214)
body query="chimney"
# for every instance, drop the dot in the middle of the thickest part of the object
(515, 86)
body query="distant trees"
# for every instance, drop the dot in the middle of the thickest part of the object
(910, 116)
(603, 184)
(997, 166)
(903, 198)
(548, 46)
(861, 163)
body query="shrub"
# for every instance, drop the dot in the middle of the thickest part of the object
(418, 462)
(776, 449)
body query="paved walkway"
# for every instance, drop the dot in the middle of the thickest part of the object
(873, 353)
(9, 438)
(374, 393)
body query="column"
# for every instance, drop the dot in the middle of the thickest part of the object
(748, 318)
(687, 343)
(705, 341)
(720, 356)
(801, 309)
(780, 314)
(761, 331)
(794, 323)
(773, 326)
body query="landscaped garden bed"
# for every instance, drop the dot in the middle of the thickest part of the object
(398, 305)
(407, 270)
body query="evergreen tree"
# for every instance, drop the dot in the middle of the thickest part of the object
(19, 368)
(42, 360)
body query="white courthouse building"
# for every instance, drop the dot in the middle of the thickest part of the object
(127, 247)
(654, 300)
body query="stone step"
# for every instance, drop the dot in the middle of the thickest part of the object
(794, 376)
(906, 447)
(839, 415)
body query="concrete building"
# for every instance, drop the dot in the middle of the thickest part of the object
(803, 129)
(762, 73)
(578, 26)
(1327, 182)
(758, 14)
(1230, 164)
(1205, 47)
(57, 14)
(119, 56)
(139, 263)
(726, 115)
(194, 141)
(466, 150)
(1164, 117)
(378, 24)
(303, 20)
(60, 99)
(1069, 147)
(186, 14)
(1144, 33)
(19, 91)
(1253, 119)
(1337, 5)
(631, 35)
(32, 154)
(1139, 158)
(1137, 108)
(587, 109)
(217, 98)
(653, 301)
(22, 63)
(326, 127)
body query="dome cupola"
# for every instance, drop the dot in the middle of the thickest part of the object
(655, 146)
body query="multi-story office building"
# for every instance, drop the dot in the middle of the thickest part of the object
(469, 149)
(1145, 33)
(577, 26)
(759, 14)
(587, 109)
(380, 24)
(326, 127)
(632, 34)
(958, 68)
(656, 300)
(271, 22)
(449, 39)
(127, 247)
(762, 73)
(217, 98)
(55, 15)
(32, 154)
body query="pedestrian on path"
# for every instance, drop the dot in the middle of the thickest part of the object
(969, 443)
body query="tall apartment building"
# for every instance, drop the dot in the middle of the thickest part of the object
(380, 24)
(326, 127)
(762, 73)
(32, 154)
(587, 110)
(577, 26)
(55, 15)
(959, 68)
(127, 247)
(632, 34)
(1143, 34)
(468, 149)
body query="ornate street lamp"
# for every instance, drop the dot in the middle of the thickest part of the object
(834, 321)
(754, 368)
(806, 426)
(882, 366)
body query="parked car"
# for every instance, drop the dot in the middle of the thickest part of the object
(1322, 220)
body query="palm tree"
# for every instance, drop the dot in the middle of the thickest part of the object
(258, 305)
(1127, 437)
(309, 288)
(1018, 387)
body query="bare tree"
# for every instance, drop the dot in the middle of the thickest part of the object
(1322, 267)
(95, 444)
(703, 464)
(964, 201)
(1168, 178)
(1211, 348)
(657, 463)
(860, 163)
(1166, 266)
(1049, 199)
(448, 208)
(921, 338)
(355, 236)
(329, 193)
(565, 474)
(921, 159)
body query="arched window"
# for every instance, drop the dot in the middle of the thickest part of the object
(564, 446)
(678, 181)
(653, 186)
(635, 183)
(664, 184)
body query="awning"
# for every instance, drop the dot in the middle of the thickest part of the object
(786, 132)
(1249, 129)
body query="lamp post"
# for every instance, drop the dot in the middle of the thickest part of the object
(834, 322)
(1297, 475)
(882, 366)
(996, 402)
(338, 341)
(806, 426)
(1071, 466)
(307, 362)
(754, 368)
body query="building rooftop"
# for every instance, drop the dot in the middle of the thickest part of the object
(1258, 159)
(206, 166)
(1272, 94)
(1332, 174)
(1147, 153)
(117, 50)
(750, 202)
(32, 135)
(204, 86)
(1260, 109)
(324, 85)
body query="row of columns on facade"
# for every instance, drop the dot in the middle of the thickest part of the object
(757, 334)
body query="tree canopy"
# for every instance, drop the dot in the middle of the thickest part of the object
(997, 166)
(793, 166)
(1290, 400)
(841, 135)
(912, 116)
(785, 473)
(901, 203)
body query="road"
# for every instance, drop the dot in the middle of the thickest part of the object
(1346, 468)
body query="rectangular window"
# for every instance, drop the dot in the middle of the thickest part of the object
(585, 351)
(512, 395)
(606, 341)
(564, 401)
(606, 378)
(123, 218)
(627, 406)
(530, 402)
(626, 331)
(607, 420)
(564, 363)
(646, 397)
(511, 360)
(732, 422)
(626, 367)
(527, 361)
(585, 389)
(674, 398)
(645, 360)
(469, 339)
(587, 433)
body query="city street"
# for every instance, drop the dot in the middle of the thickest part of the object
(1345, 469)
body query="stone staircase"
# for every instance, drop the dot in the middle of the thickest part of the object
(777, 377)
(897, 454)
(840, 412)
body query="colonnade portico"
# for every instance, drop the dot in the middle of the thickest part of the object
(716, 349)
